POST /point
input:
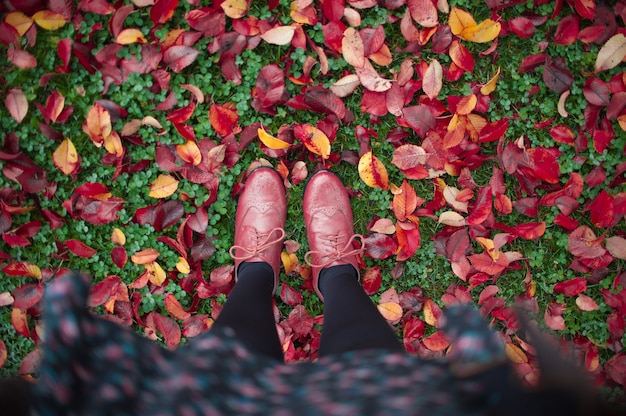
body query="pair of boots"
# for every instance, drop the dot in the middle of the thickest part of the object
(261, 215)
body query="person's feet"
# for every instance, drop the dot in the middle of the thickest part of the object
(260, 221)
(329, 226)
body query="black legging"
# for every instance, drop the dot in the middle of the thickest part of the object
(351, 321)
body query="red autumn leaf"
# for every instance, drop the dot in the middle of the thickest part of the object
(27, 295)
(571, 287)
(196, 324)
(169, 329)
(224, 118)
(461, 56)
(531, 230)
(493, 131)
(531, 62)
(602, 210)
(563, 134)
(101, 292)
(412, 332)
(290, 296)
(419, 118)
(300, 321)
(482, 206)
(162, 11)
(380, 246)
(372, 279)
(553, 318)
(584, 243)
(179, 57)
(567, 30)
(79, 248)
(408, 236)
(483, 262)
(597, 92)
(174, 307)
(119, 256)
(436, 342)
(522, 27)
(180, 115)
(22, 269)
(3, 353)
(423, 12)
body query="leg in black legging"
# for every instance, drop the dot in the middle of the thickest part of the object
(248, 310)
(351, 321)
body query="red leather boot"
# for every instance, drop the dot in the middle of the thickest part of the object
(260, 221)
(329, 226)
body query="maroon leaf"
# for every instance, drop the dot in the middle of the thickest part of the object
(567, 30)
(102, 291)
(179, 57)
(556, 76)
(119, 256)
(324, 101)
(419, 118)
(28, 295)
(596, 92)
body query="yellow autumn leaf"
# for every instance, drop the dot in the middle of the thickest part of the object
(490, 86)
(19, 21)
(65, 157)
(113, 144)
(271, 141)
(235, 9)
(49, 20)
(183, 265)
(515, 353)
(314, 139)
(463, 25)
(131, 35)
(373, 172)
(391, 311)
(118, 237)
(163, 186)
(156, 273)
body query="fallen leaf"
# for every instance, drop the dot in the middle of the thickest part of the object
(271, 141)
(144, 256)
(279, 35)
(163, 186)
(372, 171)
(611, 53)
(17, 104)
(433, 79)
(66, 158)
(49, 20)
(128, 36)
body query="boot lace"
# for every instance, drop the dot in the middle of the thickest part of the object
(337, 250)
(261, 242)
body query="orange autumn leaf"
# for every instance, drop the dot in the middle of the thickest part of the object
(466, 105)
(189, 152)
(391, 311)
(98, 124)
(224, 118)
(131, 35)
(271, 141)
(436, 341)
(65, 157)
(163, 186)
(463, 25)
(515, 353)
(145, 256)
(174, 307)
(49, 20)
(490, 86)
(235, 9)
(404, 202)
(313, 138)
(19, 21)
(372, 171)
